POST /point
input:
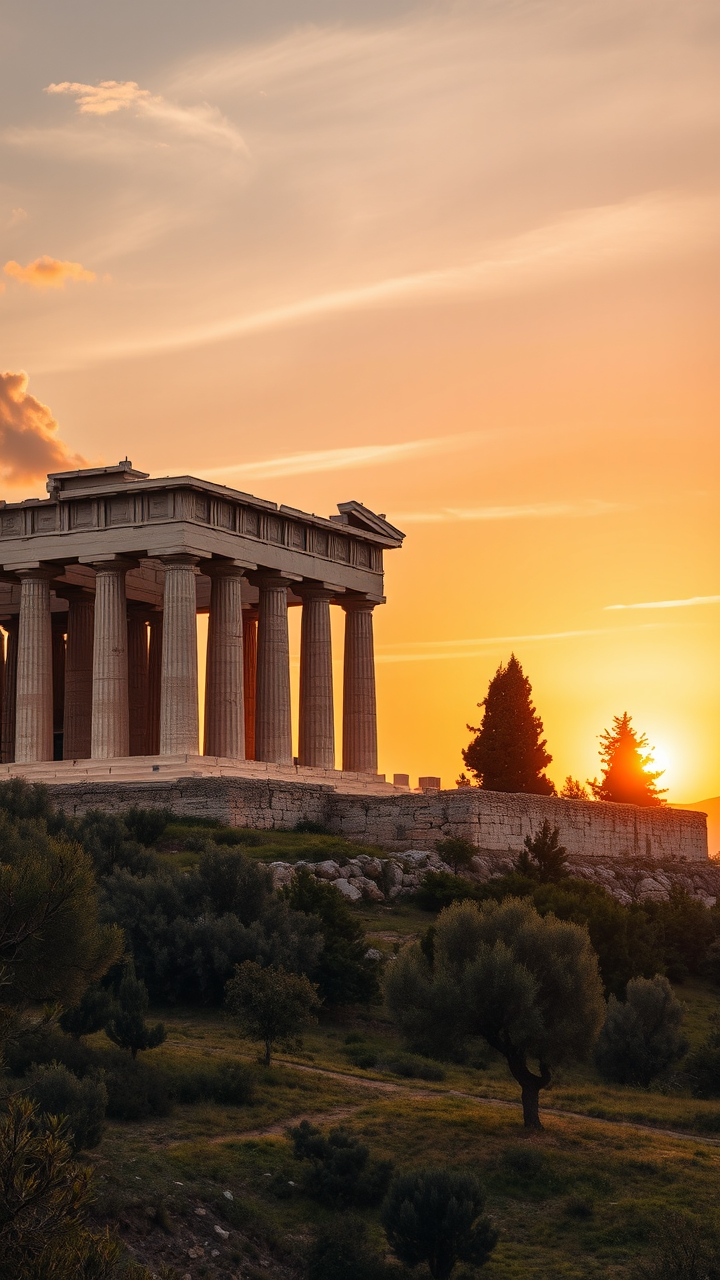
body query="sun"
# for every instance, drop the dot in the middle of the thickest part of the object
(662, 758)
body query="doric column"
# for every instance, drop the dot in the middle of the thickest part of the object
(154, 682)
(273, 732)
(138, 679)
(179, 689)
(59, 628)
(317, 724)
(110, 715)
(359, 707)
(224, 711)
(7, 746)
(250, 620)
(77, 718)
(34, 710)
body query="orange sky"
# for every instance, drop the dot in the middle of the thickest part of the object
(476, 244)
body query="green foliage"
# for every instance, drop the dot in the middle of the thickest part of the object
(641, 1038)
(529, 986)
(21, 799)
(44, 1197)
(46, 1043)
(341, 1173)
(271, 1004)
(90, 1014)
(184, 938)
(342, 972)
(683, 1249)
(229, 1083)
(147, 825)
(342, 1251)
(543, 857)
(627, 777)
(52, 944)
(126, 1026)
(438, 889)
(703, 1066)
(457, 853)
(508, 753)
(136, 1090)
(435, 1216)
(57, 1092)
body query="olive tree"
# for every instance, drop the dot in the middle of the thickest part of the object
(271, 1004)
(528, 985)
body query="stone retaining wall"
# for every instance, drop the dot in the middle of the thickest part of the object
(495, 822)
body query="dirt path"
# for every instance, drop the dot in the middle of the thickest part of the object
(278, 1129)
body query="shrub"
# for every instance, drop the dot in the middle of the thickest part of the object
(92, 1012)
(44, 1196)
(456, 852)
(341, 1251)
(147, 825)
(343, 972)
(641, 1038)
(703, 1066)
(48, 1044)
(341, 1172)
(415, 1068)
(136, 1090)
(440, 889)
(435, 1216)
(230, 1083)
(57, 1092)
(683, 1249)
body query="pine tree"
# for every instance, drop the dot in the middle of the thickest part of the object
(127, 1026)
(627, 777)
(508, 753)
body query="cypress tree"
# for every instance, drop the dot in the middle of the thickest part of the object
(127, 1026)
(508, 753)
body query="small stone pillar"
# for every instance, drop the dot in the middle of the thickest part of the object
(179, 721)
(77, 717)
(34, 707)
(138, 679)
(317, 725)
(224, 710)
(7, 742)
(273, 731)
(359, 701)
(110, 738)
(154, 681)
(250, 629)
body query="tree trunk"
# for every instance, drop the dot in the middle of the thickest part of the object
(531, 1103)
(530, 1085)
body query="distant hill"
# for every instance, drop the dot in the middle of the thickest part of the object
(712, 809)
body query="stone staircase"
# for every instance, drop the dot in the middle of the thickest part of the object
(172, 768)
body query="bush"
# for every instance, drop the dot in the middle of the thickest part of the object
(415, 1069)
(342, 1252)
(57, 1092)
(435, 1216)
(343, 972)
(230, 1083)
(703, 1066)
(438, 889)
(684, 1249)
(147, 825)
(341, 1173)
(136, 1090)
(641, 1038)
(48, 1044)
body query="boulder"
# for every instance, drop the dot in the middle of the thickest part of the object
(328, 870)
(349, 891)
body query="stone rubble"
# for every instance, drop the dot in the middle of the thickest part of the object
(627, 880)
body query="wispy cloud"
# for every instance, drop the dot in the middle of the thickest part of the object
(366, 455)
(587, 241)
(202, 122)
(667, 604)
(522, 511)
(48, 273)
(449, 650)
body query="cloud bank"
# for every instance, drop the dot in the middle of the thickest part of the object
(29, 443)
(48, 273)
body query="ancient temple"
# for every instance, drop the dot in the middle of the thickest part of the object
(100, 585)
